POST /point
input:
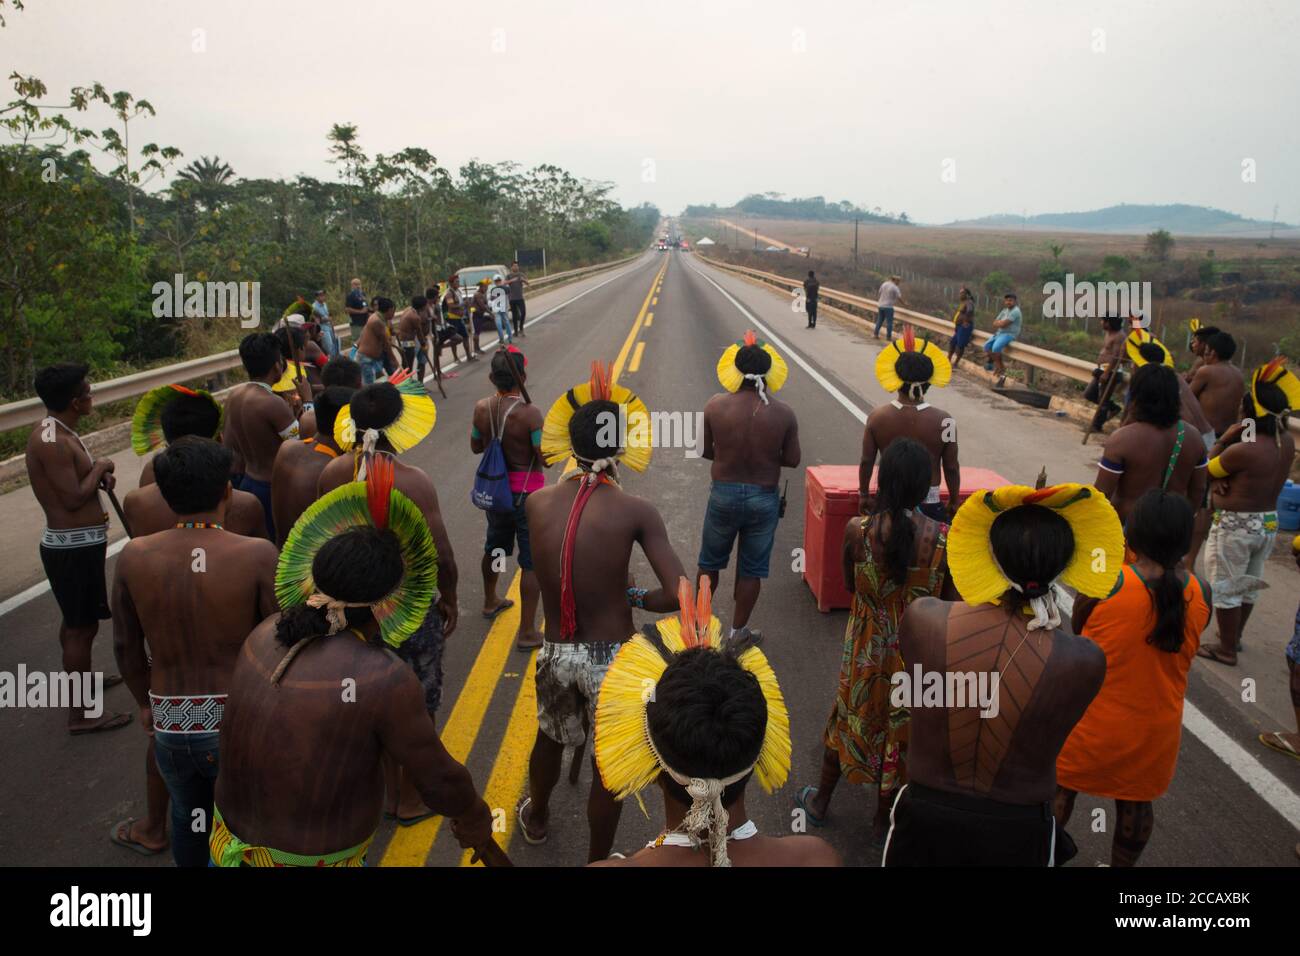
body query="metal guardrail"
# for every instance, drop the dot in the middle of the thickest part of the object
(30, 410)
(1063, 365)
(1030, 355)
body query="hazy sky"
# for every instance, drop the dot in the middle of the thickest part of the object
(1041, 105)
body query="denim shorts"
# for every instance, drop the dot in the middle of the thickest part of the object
(751, 511)
(999, 341)
(371, 369)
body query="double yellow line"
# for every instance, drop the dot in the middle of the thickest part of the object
(410, 846)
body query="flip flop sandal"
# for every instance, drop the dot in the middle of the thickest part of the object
(1210, 654)
(505, 605)
(412, 821)
(801, 801)
(116, 722)
(124, 827)
(1275, 741)
(523, 824)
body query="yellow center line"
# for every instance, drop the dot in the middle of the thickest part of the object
(635, 364)
(410, 845)
(655, 300)
(649, 320)
(510, 769)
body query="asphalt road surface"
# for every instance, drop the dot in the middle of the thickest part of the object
(664, 320)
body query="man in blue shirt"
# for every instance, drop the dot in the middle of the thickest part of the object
(355, 306)
(1006, 329)
(321, 314)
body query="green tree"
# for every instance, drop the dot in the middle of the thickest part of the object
(1159, 244)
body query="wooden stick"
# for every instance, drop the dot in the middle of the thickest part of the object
(121, 515)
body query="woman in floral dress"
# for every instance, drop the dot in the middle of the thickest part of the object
(891, 557)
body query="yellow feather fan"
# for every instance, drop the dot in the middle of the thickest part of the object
(624, 754)
(411, 426)
(887, 362)
(1139, 337)
(1275, 371)
(1098, 540)
(731, 378)
(637, 439)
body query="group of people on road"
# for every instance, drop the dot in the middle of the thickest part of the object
(447, 315)
(311, 585)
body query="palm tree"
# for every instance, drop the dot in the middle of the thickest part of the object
(210, 178)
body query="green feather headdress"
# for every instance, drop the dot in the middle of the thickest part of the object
(299, 307)
(146, 421)
(361, 504)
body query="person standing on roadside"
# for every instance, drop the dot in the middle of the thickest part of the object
(811, 288)
(889, 296)
(963, 322)
(355, 305)
(515, 282)
(1006, 329)
(320, 311)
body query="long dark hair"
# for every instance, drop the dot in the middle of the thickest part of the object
(1033, 544)
(1160, 528)
(904, 483)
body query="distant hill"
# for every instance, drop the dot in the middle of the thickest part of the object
(816, 208)
(1180, 219)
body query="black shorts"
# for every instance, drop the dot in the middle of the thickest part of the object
(76, 577)
(422, 651)
(504, 527)
(446, 334)
(931, 827)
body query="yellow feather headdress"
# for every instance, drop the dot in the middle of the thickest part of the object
(289, 380)
(1098, 540)
(625, 753)
(1140, 337)
(731, 378)
(1275, 371)
(887, 362)
(411, 426)
(635, 441)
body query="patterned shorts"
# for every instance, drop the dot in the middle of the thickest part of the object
(1235, 554)
(569, 676)
(423, 652)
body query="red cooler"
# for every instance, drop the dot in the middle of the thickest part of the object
(830, 500)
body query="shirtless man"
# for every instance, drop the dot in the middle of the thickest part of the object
(1156, 450)
(480, 314)
(66, 480)
(411, 336)
(453, 309)
(311, 792)
(1248, 467)
(1197, 347)
(749, 437)
(146, 510)
(911, 416)
(258, 420)
(298, 464)
(705, 741)
(572, 665)
(980, 789)
(519, 426)
(337, 371)
(378, 406)
(193, 592)
(441, 332)
(1217, 385)
(375, 341)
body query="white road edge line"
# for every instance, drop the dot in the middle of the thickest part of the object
(1253, 773)
(42, 587)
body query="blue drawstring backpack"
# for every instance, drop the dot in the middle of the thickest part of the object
(491, 491)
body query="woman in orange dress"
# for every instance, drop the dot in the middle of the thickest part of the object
(891, 557)
(1126, 744)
